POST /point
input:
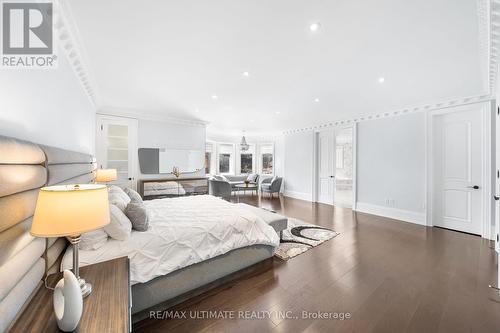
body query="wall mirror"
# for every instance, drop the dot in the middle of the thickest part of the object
(158, 160)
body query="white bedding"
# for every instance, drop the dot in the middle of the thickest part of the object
(183, 231)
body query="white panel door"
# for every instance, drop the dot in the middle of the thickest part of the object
(458, 171)
(326, 178)
(116, 148)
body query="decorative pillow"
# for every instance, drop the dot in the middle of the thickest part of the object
(252, 177)
(93, 240)
(224, 178)
(133, 195)
(136, 212)
(119, 226)
(217, 177)
(118, 197)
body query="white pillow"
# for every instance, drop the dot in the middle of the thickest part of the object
(133, 195)
(119, 226)
(118, 197)
(93, 240)
(251, 177)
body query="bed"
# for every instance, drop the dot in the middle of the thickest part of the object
(25, 167)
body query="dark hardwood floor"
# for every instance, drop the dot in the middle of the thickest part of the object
(390, 276)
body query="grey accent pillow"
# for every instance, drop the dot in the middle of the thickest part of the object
(93, 240)
(136, 212)
(134, 196)
(119, 226)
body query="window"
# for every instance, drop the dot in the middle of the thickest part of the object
(208, 158)
(267, 159)
(209, 162)
(246, 161)
(225, 162)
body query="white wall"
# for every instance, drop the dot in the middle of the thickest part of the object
(391, 164)
(298, 165)
(158, 134)
(48, 107)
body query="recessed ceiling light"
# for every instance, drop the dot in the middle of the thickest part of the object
(214, 97)
(247, 74)
(277, 112)
(381, 79)
(316, 100)
(197, 111)
(315, 26)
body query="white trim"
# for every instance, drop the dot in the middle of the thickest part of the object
(392, 213)
(298, 195)
(144, 115)
(487, 194)
(69, 39)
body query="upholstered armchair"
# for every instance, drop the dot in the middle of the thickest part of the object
(271, 185)
(219, 188)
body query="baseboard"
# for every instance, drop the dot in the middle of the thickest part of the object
(392, 213)
(298, 195)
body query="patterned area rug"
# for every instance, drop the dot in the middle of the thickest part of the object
(300, 237)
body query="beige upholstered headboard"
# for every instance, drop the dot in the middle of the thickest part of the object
(25, 260)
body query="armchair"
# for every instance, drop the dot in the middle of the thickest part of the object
(219, 188)
(271, 185)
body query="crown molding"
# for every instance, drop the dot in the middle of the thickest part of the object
(493, 24)
(394, 113)
(69, 39)
(149, 115)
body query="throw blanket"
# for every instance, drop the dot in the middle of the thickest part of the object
(183, 231)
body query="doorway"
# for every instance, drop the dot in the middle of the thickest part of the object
(460, 170)
(335, 181)
(116, 147)
(344, 167)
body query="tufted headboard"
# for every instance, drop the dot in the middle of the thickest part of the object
(25, 167)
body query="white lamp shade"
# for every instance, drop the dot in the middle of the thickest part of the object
(105, 175)
(70, 210)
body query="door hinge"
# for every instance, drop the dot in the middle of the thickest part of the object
(498, 110)
(102, 127)
(497, 238)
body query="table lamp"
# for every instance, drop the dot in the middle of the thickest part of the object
(69, 211)
(105, 175)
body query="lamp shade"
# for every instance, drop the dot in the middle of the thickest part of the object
(70, 210)
(105, 175)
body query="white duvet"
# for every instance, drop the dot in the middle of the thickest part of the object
(183, 231)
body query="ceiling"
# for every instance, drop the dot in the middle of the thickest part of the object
(171, 57)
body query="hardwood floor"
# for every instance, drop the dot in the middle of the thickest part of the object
(390, 276)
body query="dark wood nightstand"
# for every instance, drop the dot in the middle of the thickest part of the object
(107, 309)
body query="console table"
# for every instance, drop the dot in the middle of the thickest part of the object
(106, 309)
(172, 187)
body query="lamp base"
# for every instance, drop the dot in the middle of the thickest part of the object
(85, 287)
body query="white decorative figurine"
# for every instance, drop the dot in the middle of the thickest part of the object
(68, 302)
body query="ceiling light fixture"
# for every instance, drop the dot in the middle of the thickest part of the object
(316, 100)
(277, 112)
(244, 145)
(315, 26)
(246, 74)
(381, 79)
(214, 97)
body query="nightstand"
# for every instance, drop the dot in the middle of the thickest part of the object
(106, 309)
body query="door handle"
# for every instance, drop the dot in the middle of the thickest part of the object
(496, 198)
(475, 187)
(332, 176)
